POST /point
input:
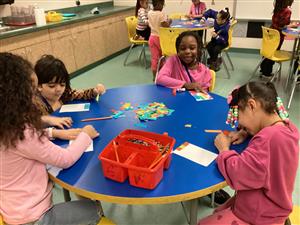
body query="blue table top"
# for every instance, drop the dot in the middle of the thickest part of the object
(191, 24)
(183, 180)
(293, 32)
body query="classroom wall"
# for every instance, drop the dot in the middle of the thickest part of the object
(47, 5)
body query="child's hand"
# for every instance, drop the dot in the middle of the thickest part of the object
(59, 122)
(91, 131)
(222, 142)
(214, 34)
(69, 134)
(237, 137)
(99, 89)
(194, 86)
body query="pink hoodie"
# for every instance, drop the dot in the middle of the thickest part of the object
(263, 175)
(174, 75)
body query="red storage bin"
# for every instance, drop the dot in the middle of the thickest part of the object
(142, 156)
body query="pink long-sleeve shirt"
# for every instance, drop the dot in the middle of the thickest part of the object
(263, 175)
(25, 189)
(197, 10)
(174, 75)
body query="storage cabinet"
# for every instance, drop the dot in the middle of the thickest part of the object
(77, 45)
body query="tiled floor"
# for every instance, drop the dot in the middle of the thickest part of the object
(113, 74)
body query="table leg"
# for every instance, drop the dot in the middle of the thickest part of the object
(67, 196)
(193, 211)
(290, 74)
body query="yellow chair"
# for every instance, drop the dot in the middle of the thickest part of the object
(177, 16)
(294, 84)
(1, 220)
(225, 50)
(213, 80)
(131, 22)
(295, 215)
(167, 39)
(270, 42)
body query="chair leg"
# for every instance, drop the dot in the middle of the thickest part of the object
(277, 74)
(232, 67)
(129, 51)
(293, 89)
(144, 52)
(158, 66)
(225, 66)
(256, 68)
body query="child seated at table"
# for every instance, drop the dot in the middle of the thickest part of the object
(54, 90)
(219, 38)
(184, 70)
(25, 188)
(156, 19)
(264, 174)
(141, 12)
(196, 12)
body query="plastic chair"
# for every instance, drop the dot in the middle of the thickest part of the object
(225, 50)
(295, 215)
(213, 80)
(131, 23)
(270, 42)
(167, 39)
(294, 84)
(176, 16)
(1, 220)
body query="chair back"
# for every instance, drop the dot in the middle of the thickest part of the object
(1, 220)
(176, 16)
(131, 23)
(230, 31)
(270, 42)
(213, 80)
(167, 39)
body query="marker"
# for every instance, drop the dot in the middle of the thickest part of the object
(97, 118)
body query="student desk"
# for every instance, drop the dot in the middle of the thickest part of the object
(193, 25)
(295, 34)
(183, 181)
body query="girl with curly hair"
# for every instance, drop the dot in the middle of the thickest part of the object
(25, 189)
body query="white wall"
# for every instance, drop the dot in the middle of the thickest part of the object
(47, 5)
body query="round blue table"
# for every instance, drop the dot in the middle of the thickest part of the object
(184, 180)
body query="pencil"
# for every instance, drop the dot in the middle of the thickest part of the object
(213, 131)
(115, 150)
(97, 118)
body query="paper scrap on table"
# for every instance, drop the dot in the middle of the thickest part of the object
(89, 149)
(195, 154)
(200, 96)
(54, 171)
(75, 107)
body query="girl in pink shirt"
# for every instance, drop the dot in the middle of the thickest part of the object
(263, 175)
(183, 70)
(197, 9)
(25, 189)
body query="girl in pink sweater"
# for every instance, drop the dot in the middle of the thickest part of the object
(263, 175)
(25, 189)
(183, 70)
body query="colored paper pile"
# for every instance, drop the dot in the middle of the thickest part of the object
(126, 106)
(152, 111)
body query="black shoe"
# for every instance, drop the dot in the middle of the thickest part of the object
(221, 197)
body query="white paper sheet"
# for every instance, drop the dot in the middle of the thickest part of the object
(54, 171)
(89, 149)
(75, 107)
(196, 154)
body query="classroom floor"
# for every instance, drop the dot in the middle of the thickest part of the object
(113, 74)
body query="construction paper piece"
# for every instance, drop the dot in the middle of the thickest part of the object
(200, 96)
(126, 106)
(118, 114)
(152, 111)
(75, 107)
(143, 125)
(188, 125)
(196, 154)
(90, 148)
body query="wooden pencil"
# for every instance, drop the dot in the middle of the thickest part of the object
(213, 131)
(97, 118)
(116, 151)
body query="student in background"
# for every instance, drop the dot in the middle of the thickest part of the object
(54, 85)
(25, 188)
(141, 12)
(183, 70)
(264, 174)
(281, 18)
(156, 19)
(196, 12)
(219, 38)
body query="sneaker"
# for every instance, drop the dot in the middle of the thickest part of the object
(267, 77)
(221, 196)
(208, 61)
